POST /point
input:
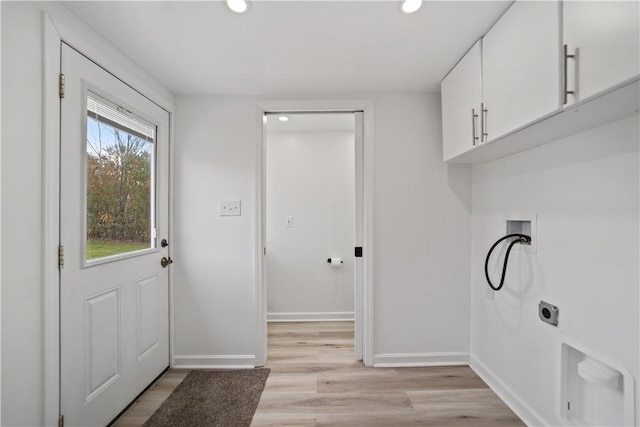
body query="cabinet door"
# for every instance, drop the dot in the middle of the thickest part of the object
(521, 66)
(605, 37)
(461, 94)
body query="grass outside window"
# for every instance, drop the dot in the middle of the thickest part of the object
(105, 248)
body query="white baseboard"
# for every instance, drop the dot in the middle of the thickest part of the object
(327, 316)
(521, 409)
(242, 361)
(400, 360)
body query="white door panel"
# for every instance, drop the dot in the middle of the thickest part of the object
(605, 36)
(461, 103)
(149, 299)
(102, 338)
(113, 290)
(521, 66)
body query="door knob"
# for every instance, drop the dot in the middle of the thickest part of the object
(164, 262)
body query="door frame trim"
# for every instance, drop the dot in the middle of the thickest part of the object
(335, 105)
(55, 31)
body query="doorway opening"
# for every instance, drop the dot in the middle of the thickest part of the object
(313, 222)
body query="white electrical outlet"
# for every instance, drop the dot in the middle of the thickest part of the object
(289, 222)
(230, 208)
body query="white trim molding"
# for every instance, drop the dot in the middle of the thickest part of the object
(520, 408)
(207, 361)
(0, 211)
(406, 360)
(335, 316)
(51, 40)
(367, 303)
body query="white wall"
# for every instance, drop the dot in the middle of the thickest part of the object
(311, 177)
(22, 136)
(585, 192)
(214, 269)
(422, 232)
(21, 207)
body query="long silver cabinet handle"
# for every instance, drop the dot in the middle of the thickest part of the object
(566, 91)
(483, 123)
(474, 125)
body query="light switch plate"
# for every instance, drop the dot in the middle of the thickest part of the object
(230, 208)
(289, 222)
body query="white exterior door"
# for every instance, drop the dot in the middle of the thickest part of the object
(114, 314)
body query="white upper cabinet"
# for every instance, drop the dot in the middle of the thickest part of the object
(605, 38)
(461, 98)
(546, 70)
(521, 66)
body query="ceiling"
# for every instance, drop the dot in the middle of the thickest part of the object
(292, 47)
(310, 122)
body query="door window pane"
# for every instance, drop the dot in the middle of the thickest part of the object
(120, 181)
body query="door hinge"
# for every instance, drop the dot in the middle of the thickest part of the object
(358, 252)
(61, 421)
(60, 256)
(61, 85)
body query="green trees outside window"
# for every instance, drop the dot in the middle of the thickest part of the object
(119, 191)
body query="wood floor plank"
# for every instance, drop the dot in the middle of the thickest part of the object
(380, 379)
(286, 358)
(151, 400)
(298, 341)
(412, 420)
(347, 334)
(473, 407)
(468, 401)
(336, 403)
(303, 383)
(313, 367)
(283, 420)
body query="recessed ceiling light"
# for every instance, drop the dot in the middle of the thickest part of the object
(283, 118)
(238, 6)
(410, 6)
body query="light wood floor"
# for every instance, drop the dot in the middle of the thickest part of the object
(151, 400)
(315, 381)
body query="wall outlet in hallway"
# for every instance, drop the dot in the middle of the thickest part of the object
(230, 208)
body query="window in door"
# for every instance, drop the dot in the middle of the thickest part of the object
(120, 181)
